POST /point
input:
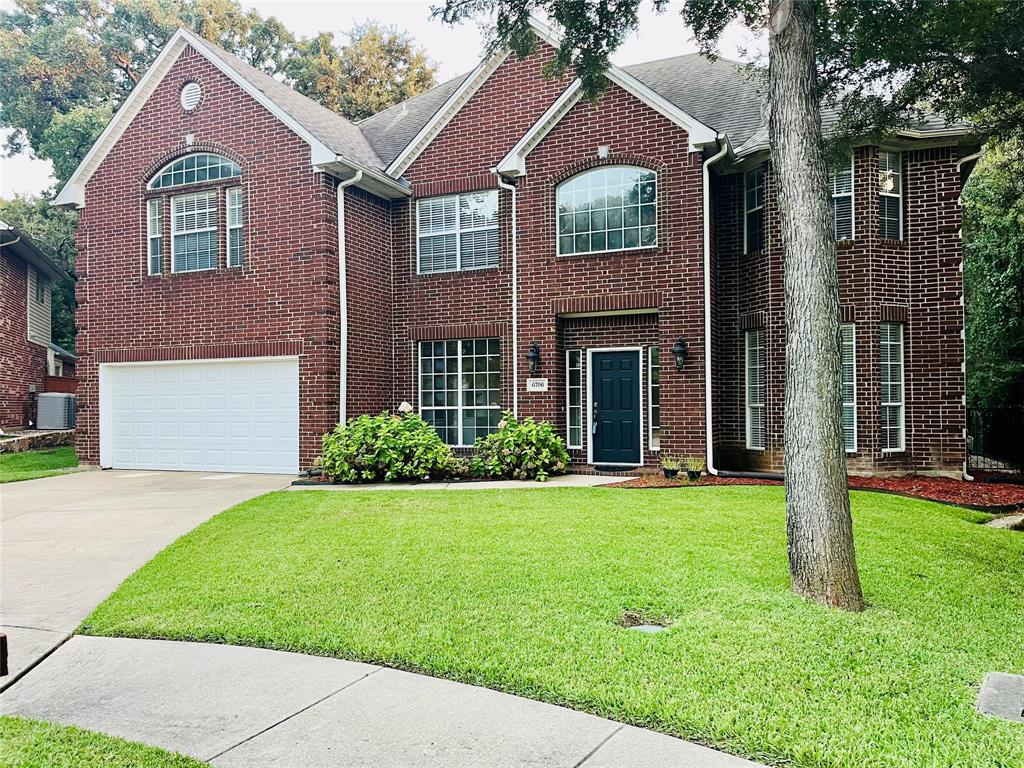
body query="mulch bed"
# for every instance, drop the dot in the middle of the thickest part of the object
(989, 496)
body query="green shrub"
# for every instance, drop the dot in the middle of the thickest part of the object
(387, 447)
(520, 450)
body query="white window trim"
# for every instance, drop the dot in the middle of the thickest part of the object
(853, 338)
(568, 406)
(899, 195)
(648, 247)
(748, 406)
(231, 228)
(459, 408)
(158, 203)
(853, 202)
(747, 211)
(176, 160)
(217, 198)
(902, 403)
(458, 231)
(589, 405)
(650, 400)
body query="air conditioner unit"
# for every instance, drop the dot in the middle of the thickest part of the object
(56, 410)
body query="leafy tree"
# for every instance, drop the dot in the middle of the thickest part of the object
(53, 232)
(994, 276)
(379, 67)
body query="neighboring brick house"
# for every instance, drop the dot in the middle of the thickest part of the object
(28, 356)
(614, 267)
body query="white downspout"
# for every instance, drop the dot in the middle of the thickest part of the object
(708, 428)
(343, 302)
(976, 156)
(515, 294)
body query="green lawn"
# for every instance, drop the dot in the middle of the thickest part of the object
(28, 465)
(522, 591)
(34, 744)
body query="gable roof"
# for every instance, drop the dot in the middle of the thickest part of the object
(16, 242)
(333, 141)
(391, 130)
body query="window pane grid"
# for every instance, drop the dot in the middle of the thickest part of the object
(892, 416)
(154, 231)
(756, 388)
(236, 250)
(612, 208)
(196, 169)
(842, 202)
(849, 387)
(890, 196)
(754, 184)
(654, 397)
(457, 232)
(460, 388)
(194, 232)
(574, 398)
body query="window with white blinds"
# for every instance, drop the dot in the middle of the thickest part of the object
(756, 388)
(849, 386)
(890, 196)
(893, 395)
(574, 398)
(841, 183)
(194, 232)
(155, 235)
(236, 250)
(457, 232)
(753, 210)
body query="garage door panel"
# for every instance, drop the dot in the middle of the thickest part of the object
(239, 416)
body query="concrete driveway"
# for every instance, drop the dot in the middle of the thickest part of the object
(66, 542)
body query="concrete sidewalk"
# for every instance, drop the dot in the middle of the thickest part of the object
(559, 481)
(66, 542)
(251, 708)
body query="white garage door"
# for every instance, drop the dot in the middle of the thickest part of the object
(210, 416)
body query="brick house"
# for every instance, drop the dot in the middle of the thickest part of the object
(29, 360)
(613, 267)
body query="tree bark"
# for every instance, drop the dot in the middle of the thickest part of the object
(818, 524)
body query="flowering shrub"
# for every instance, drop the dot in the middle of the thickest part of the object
(520, 450)
(387, 447)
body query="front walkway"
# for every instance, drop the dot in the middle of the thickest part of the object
(559, 481)
(251, 708)
(66, 542)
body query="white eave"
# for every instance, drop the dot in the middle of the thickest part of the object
(320, 155)
(514, 163)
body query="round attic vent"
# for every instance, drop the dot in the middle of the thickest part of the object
(191, 93)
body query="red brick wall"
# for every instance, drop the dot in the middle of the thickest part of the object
(22, 363)
(287, 292)
(917, 279)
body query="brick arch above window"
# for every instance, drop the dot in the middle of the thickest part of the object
(195, 168)
(183, 151)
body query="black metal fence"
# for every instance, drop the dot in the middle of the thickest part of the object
(995, 439)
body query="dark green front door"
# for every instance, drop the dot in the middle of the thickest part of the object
(615, 394)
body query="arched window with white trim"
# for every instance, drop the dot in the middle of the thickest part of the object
(611, 208)
(209, 195)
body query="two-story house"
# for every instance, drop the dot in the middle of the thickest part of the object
(28, 357)
(255, 268)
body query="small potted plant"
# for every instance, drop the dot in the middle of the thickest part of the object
(670, 465)
(694, 466)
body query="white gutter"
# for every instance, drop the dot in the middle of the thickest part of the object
(963, 332)
(515, 294)
(708, 429)
(343, 302)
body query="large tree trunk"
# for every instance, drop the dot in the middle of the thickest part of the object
(818, 524)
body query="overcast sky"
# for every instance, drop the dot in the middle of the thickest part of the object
(455, 49)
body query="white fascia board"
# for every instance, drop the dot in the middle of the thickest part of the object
(445, 113)
(514, 163)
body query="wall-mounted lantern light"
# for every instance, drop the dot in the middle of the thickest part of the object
(680, 350)
(533, 357)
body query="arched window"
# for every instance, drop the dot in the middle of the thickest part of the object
(612, 208)
(195, 169)
(211, 200)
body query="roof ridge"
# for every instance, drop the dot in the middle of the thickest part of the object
(397, 104)
(691, 54)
